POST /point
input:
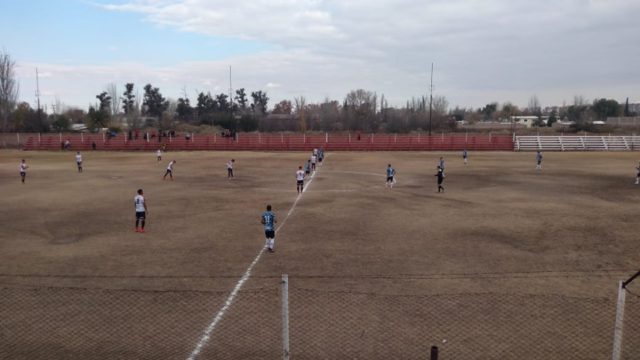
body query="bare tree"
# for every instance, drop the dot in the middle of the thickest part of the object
(9, 88)
(112, 90)
(534, 105)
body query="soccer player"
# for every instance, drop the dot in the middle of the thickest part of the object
(313, 160)
(441, 165)
(320, 155)
(440, 176)
(169, 170)
(391, 172)
(159, 155)
(268, 220)
(465, 156)
(307, 167)
(230, 168)
(300, 179)
(141, 210)
(638, 174)
(23, 170)
(538, 161)
(79, 161)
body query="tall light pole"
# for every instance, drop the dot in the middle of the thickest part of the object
(430, 99)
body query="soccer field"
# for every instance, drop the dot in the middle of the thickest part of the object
(507, 263)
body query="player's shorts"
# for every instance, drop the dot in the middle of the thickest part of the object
(319, 159)
(79, 163)
(307, 172)
(22, 173)
(389, 178)
(169, 171)
(140, 214)
(539, 162)
(270, 234)
(300, 182)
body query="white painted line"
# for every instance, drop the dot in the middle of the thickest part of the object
(206, 336)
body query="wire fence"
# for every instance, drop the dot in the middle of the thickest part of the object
(75, 323)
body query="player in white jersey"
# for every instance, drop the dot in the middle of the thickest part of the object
(23, 170)
(79, 161)
(230, 168)
(141, 211)
(159, 155)
(638, 174)
(169, 170)
(300, 179)
(314, 159)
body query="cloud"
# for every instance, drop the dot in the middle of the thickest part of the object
(483, 50)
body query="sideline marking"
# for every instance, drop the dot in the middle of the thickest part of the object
(206, 336)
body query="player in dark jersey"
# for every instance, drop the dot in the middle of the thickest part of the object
(440, 176)
(269, 221)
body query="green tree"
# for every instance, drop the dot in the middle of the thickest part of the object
(260, 101)
(184, 110)
(488, 110)
(61, 123)
(154, 103)
(241, 99)
(604, 108)
(97, 119)
(104, 104)
(223, 103)
(128, 100)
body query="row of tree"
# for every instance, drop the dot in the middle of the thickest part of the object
(360, 110)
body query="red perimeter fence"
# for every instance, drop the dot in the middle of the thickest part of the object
(275, 142)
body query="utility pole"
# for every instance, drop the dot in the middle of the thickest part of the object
(230, 89)
(38, 91)
(430, 99)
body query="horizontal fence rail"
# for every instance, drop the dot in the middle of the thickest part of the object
(273, 142)
(577, 143)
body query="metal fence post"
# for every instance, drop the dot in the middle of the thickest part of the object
(285, 316)
(434, 353)
(617, 332)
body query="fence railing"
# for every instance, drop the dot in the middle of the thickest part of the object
(271, 142)
(74, 323)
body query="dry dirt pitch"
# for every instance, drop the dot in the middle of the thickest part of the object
(507, 263)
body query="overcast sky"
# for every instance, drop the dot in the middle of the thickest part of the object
(482, 50)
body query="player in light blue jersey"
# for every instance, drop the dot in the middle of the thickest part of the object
(391, 173)
(269, 221)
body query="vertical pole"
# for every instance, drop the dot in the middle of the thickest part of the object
(466, 135)
(214, 138)
(103, 137)
(395, 138)
(60, 136)
(617, 331)
(304, 138)
(18, 135)
(169, 136)
(372, 138)
(39, 139)
(82, 138)
(434, 353)
(259, 139)
(193, 137)
(281, 138)
(349, 137)
(326, 138)
(285, 316)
